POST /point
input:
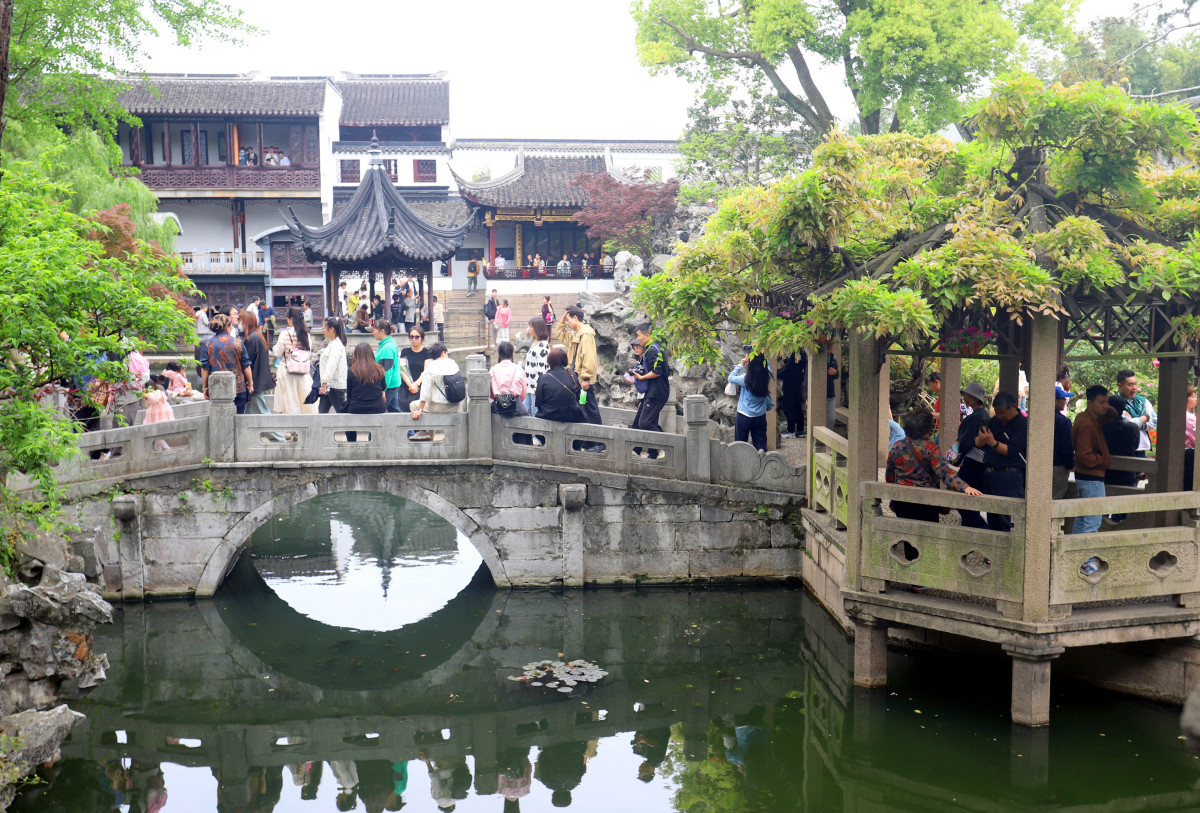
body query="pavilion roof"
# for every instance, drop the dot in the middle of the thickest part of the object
(377, 225)
(409, 102)
(223, 96)
(536, 181)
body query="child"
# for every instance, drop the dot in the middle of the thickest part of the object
(158, 409)
(177, 383)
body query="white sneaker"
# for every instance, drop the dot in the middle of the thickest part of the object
(537, 441)
(787, 435)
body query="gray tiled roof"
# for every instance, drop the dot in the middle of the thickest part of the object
(538, 145)
(224, 97)
(400, 103)
(361, 231)
(537, 181)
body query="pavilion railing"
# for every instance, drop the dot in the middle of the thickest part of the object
(1135, 562)
(829, 484)
(971, 561)
(519, 272)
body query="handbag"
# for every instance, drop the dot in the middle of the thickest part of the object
(297, 361)
(506, 403)
(315, 393)
(731, 389)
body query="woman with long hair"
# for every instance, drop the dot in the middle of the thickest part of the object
(365, 383)
(502, 320)
(753, 375)
(260, 363)
(333, 367)
(294, 349)
(412, 366)
(535, 363)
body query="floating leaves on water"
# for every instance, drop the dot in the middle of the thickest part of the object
(563, 676)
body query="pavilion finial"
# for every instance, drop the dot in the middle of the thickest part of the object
(375, 152)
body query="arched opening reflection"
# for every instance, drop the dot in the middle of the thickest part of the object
(363, 560)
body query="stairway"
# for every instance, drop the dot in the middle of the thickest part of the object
(466, 325)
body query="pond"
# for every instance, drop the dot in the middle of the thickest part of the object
(358, 663)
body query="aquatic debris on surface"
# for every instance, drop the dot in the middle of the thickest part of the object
(562, 676)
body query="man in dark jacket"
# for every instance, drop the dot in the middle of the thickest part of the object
(1122, 439)
(971, 471)
(1003, 443)
(1064, 452)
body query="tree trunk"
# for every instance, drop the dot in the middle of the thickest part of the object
(6, 17)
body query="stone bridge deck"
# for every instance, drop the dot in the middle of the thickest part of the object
(167, 508)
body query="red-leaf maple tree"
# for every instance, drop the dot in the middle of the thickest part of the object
(625, 211)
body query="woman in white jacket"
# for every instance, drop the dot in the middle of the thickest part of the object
(433, 395)
(333, 367)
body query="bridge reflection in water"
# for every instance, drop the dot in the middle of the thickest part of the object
(716, 700)
(363, 560)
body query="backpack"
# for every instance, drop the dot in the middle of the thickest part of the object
(454, 387)
(489, 309)
(473, 267)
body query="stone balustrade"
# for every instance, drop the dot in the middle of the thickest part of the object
(219, 435)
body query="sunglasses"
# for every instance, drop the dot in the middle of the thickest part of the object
(415, 336)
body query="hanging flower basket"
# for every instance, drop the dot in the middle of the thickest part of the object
(967, 341)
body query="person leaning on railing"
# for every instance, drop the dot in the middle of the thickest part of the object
(917, 461)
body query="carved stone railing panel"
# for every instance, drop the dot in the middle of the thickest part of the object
(1112, 565)
(741, 464)
(265, 438)
(964, 560)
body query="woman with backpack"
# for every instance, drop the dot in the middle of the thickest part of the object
(293, 376)
(433, 398)
(753, 376)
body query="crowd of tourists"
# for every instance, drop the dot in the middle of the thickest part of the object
(991, 452)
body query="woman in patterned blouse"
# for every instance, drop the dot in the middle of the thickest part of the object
(917, 461)
(536, 360)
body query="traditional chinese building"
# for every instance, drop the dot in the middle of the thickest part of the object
(531, 208)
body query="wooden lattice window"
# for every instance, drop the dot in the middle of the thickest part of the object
(424, 171)
(349, 170)
(390, 167)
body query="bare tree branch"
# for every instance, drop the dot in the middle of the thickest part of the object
(1157, 39)
(1165, 93)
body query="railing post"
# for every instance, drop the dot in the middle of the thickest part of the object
(862, 460)
(1039, 474)
(479, 408)
(221, 412)
(699, 450)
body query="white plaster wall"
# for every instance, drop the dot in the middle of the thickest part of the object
(648, 160)
(206, 226)
(265, 214)
(327, 129)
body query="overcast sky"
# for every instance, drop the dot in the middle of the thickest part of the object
(524, 69)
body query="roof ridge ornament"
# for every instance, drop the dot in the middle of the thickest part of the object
(374, 151)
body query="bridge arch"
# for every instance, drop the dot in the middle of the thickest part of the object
(279, 500)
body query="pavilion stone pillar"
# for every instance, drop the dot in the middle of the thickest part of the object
(816, 410)
(1031, 681)
(1172, 405)
(885, 406)
(1010, 375)
(1039, 527)
(863, 463)
(948, 415)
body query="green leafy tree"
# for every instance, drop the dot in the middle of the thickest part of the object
(740, 134)
(916, 58)
(61, 54)
(93, 179)
(897, 236)
(78, 293)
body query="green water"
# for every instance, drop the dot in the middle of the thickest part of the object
(716, 700)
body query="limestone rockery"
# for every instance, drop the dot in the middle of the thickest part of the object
(46, 625)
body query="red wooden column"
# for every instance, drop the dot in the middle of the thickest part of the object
(491, 245)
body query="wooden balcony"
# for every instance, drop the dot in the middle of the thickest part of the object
(231, 177)
(198, 263)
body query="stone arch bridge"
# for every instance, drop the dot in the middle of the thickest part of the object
(166, 509)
